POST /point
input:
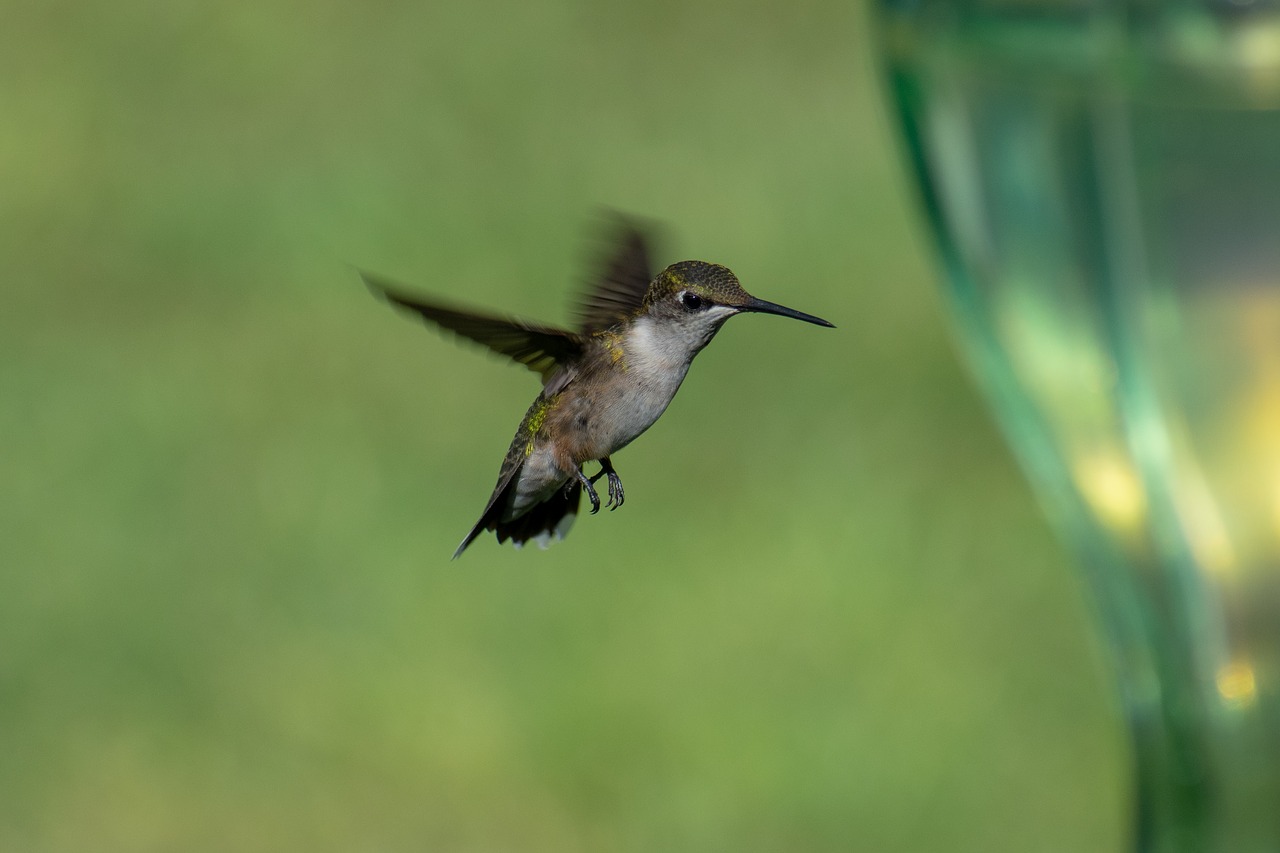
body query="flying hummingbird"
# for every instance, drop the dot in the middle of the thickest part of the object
(602, 385)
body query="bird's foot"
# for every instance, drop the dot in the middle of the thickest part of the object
(616, 494)
(589, 488)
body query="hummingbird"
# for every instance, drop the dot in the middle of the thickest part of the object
(603, 384)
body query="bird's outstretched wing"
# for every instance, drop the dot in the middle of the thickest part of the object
(543, 349)
(620, 281)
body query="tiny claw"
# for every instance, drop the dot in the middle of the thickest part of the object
(616, 495)
(589, 489)
(585, 482)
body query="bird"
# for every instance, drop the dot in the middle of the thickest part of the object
(603, 383)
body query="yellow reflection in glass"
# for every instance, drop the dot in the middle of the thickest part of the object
(1237, 684)
(1258, 49)
(1275, 500)
(1111, 487)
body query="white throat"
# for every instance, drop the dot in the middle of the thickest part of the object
(667, 347)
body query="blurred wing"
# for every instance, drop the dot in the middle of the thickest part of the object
(540, 348)
(618, 291)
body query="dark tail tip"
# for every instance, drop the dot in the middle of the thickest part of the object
(544, 523)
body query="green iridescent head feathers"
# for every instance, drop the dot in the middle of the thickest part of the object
(710, 281)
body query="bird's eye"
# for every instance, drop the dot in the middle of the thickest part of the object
(691, 300)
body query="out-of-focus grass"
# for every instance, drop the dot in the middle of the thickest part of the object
(828, 618)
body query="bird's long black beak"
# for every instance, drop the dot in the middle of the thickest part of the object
(760, 306)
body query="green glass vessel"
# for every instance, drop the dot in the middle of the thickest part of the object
(1103, 181)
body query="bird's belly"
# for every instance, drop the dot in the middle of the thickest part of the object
(624, 415)
(539, 478)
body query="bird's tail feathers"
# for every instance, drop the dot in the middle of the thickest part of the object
(543, 523)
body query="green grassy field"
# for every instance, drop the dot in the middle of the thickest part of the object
(829, 618)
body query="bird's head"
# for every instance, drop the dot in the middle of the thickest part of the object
(689, 301)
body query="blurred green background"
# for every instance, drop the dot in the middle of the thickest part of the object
(830, 616)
